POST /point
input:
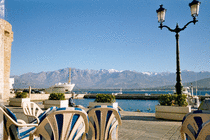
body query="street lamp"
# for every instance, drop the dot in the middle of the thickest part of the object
(194, 6)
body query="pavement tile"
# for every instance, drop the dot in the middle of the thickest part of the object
(144, 126)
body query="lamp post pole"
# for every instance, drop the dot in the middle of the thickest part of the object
(194, 5)
(178, 71)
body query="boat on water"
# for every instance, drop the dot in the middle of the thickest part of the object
(193, 100)
(118, 92)
(62, 87)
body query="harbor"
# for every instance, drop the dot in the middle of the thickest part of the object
(129, 96)
(125, 80)
(140, 96)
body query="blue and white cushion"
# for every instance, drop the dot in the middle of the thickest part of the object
(204, 131)
(193, 122)
(13, 131)
(104, 121)
(68, 123)
(44, 114)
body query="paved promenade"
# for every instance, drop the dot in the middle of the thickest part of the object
(144, 126)
(137, 126)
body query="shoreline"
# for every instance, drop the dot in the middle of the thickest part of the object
(42, 97)
(139, 96)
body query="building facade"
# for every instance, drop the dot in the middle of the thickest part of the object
(6, 39)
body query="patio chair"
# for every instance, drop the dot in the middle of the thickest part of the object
(204, 131)
(64, 124)
(34, 113)
(103, 123)
(13, 128)
(192, 124)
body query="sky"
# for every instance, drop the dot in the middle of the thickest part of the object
(106, 34)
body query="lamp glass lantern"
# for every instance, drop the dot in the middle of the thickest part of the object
(161, 12)
(194, 6)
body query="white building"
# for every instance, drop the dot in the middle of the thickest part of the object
(11, 82)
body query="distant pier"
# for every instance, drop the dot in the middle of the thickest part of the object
(129, 96)
(139, 96)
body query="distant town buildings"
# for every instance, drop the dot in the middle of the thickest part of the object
(11, 82)
(6, 39)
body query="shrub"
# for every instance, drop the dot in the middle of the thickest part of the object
(166, 99)
(21, 95)
(171, 100)
(181, 100)
(57, 96)
(105, 98)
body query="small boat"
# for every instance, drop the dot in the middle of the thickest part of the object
(62, 87)
(118, 92)
(193, 100)
(147, 94)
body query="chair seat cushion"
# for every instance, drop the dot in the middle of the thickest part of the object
(15, 131)
(45, 114)
(25, 131)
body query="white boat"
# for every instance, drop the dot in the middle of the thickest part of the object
(118, 92)
(193, 100)
(185, 90)
(62, 87)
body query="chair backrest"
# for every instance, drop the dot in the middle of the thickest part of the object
(9, 118)
(192, 122)
(12, 124)
(31, 110)
(204, 131)
(64, 124)
(103, 123)
(34, 113)
(46, 113)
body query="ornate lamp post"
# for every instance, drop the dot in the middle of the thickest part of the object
(194, 6)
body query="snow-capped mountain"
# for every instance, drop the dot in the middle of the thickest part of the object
(106, 79)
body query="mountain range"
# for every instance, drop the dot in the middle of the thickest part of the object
(110, 79)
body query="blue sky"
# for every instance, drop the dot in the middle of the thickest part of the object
(106, 34)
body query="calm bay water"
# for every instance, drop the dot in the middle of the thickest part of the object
(126, 105)
(200, 92)
(132, 105)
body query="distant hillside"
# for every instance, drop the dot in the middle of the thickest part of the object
(200, 83)
(109, 79)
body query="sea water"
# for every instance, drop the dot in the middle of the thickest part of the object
(126, 105)
(199, 92)
(132, 105)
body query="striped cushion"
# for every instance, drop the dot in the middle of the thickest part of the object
(74, 119)
(201, 127)
(59, 129)
(71, 108)
(110, 125)
(106, 106)
(195, 112)
(45, 114)
(194, 122)
(25, 131)
(14, 131)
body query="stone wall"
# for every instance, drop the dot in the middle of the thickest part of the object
(6, 36)
(1, 63)
(40, 97)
